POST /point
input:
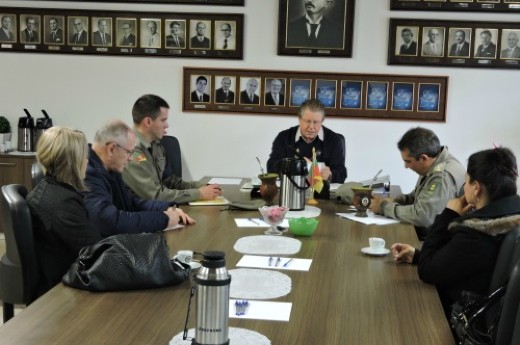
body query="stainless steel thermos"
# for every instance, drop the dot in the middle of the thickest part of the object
(213, 282)
(26, 133)
(293, 183)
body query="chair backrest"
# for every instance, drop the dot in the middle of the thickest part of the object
(19, 270)
(173, 154)
(509, 323)
(507, 257)
(36, 174)
(344, 146)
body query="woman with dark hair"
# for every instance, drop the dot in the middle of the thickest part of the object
(461, 248)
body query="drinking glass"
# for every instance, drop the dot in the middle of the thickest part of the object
(273, 215)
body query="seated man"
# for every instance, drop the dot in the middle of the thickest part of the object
(441, 177)
(299, 141)
(145, 172)
(110, 204)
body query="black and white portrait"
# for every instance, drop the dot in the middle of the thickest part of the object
(53, 30)
(274, 92)
(459, 42)
(201, 88)
(30, 31)
(225, 35)
(175, 33)
(150, 33)
(8, 28)
(226, 88)
(406, 40)
(126, 31)
(78, 31)
(250, 94)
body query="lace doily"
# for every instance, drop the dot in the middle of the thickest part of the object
(251, 283)
(267, 245)
(237, 336)
(307, 212)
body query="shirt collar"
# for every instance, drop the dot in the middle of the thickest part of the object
(310, 21)
(299, 134)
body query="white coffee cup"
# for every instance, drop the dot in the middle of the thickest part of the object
(376, 243)
(184, 256)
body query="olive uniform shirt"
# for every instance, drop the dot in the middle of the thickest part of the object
(144, 175)
(441, 183)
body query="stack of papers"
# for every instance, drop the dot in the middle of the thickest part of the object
(221, 180)
(285, 263)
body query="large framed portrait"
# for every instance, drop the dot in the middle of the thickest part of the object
(273, 92)
(456, 5)
(161, 34)
(455, 43)
(316, 28)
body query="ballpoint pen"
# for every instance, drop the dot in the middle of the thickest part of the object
(254, 221)
(277, 262)
(287, 263)
(270, 262)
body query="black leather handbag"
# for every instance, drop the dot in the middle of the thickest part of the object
(468, 318)
(125, 262)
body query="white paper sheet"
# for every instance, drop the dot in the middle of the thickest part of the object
(222, 180)
(178, 226)
(263, 262)
(217, 201)
(257, 223)
(262, 310)
(371, 219)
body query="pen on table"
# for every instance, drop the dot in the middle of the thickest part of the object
(277, 262)
(287, 263)
(253, 221)
(377, 175)
(270, 262)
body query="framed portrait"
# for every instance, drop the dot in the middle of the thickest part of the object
(30, 29)
(402, 96)
(450, 43)
(377, 95)
(428, 97)
(351, 91)
(8, 28)
(406, 40)
(126, 32)
(509, 43)
(456, 5)
(225, 35)
(53, 30)
(201, 88)
(200, 34)
(275, 92)
(225, 89)
(459, 41)
(326, 92)
(175, 33)
(327, 32)
(150, 33)
(101, 31)
(250, 87)
(300, 91)
(78, 31)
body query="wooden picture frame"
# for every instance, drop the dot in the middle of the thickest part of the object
(187, 2)
(124, 33)
(511, 6)
(332, 36)
(454, 43)
(273, 92)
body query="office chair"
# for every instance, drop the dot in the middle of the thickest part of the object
(509, 323)
(19, 271)
(36, 174)
(344, 146)
(173, 155)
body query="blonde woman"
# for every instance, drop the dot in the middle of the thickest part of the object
(60, 219)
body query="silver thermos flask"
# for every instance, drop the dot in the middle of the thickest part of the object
(213, 282)
(293, 183)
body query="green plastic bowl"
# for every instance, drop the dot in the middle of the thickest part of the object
(303, 226)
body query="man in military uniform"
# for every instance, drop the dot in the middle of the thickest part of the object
(145, 173)
(441, 177)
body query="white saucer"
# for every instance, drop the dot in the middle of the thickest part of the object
(370, 251)
(193, 264)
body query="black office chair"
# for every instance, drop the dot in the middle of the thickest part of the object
(344, 146)
(173, 155)
(36, 174)
(509, 323)
(19, 271)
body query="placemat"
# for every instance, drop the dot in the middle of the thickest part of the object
(307, 212)
(237, 336)
(251, 283)
(268, 245)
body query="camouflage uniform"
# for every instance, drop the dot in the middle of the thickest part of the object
(441, 183)
(144, 176)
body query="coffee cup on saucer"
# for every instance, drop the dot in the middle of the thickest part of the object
(377, 244)
(184, 256)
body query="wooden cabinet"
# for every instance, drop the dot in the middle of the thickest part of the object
(15, 169)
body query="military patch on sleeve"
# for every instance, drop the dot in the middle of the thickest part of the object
(139, 157)
(432, 188)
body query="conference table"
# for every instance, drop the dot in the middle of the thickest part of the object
(346, 297)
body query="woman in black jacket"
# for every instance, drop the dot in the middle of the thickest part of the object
(60, 220)
(463, 243)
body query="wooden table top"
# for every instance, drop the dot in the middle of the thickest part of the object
(345, 298)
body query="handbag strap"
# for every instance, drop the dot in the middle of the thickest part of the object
(486, 304)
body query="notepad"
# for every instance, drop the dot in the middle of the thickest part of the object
(286, 263)
(262, 310)
(371, 219)
(218, 201)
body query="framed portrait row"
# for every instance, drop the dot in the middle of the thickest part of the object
(457, 5)
(454, 43)
(316, 28)
(189, 2)
(121, 33)
(273, 92)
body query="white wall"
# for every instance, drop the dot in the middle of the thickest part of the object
(84, 91)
